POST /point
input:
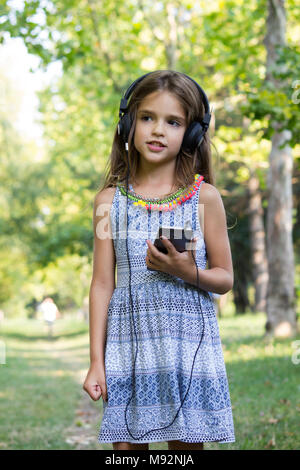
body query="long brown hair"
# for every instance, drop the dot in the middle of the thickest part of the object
(186, 164)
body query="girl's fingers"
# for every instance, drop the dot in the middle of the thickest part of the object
(151, 248)
(155, 253)
(151, 263)
(95, 392)
(96, 395)
(170, 247)
(103, 390)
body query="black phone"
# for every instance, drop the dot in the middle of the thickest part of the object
(178, 236)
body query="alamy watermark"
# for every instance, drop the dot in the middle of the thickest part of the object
(295, 94)
(296, 354)
(135, 231)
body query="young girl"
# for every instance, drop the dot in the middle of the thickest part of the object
(156, 354)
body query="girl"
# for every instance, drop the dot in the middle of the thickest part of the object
(157, 381)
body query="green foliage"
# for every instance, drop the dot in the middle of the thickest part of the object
(280, 103)
(46, 204)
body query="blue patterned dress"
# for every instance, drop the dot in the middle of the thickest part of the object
(168, 324)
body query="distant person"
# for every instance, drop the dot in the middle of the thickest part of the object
(50, 313)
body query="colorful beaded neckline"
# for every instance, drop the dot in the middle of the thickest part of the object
(168, 203)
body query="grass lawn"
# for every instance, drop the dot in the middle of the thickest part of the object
(43, 406)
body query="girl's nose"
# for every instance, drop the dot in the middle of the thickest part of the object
(158, 128)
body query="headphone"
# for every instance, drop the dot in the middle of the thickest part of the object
(193, 135)
(192, 139)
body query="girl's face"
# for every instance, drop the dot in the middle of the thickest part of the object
(160, 119)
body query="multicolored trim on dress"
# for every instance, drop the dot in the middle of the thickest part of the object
(167, 204)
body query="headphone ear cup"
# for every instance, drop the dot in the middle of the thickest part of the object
(193, 137)
(124, 125)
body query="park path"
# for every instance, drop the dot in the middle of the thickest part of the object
(82, 434)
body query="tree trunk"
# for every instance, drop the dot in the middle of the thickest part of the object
(240, 294)
(280, 293)
(257, 234)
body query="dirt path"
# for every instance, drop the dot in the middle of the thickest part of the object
(83, 433)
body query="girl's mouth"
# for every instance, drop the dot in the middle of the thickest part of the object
(155, 147)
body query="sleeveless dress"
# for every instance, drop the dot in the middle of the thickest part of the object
(168, 323)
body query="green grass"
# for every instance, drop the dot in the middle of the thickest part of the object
(38, 390)
(264, 385)
(41, 386)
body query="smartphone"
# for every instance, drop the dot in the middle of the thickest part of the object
(178, 236)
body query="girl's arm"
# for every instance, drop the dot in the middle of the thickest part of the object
(219, 277)
(103, 278)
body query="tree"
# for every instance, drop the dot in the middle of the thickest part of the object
(258, 245)
(280, 293)
(103, 47)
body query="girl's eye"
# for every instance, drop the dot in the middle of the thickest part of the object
(177, 123)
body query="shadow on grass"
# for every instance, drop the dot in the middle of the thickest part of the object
(43, 337)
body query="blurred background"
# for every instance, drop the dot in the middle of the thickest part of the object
(64, 66)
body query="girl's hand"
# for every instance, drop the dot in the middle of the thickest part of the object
(173, 263)
(95, 382)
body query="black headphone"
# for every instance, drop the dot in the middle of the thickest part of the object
(192, 139)
(193, 135)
